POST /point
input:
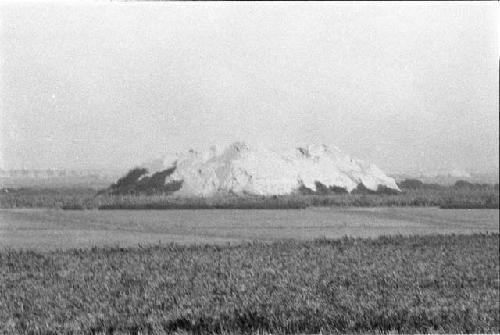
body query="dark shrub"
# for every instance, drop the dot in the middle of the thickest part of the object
(321, 189)
(135, 182)
(463, 184)
(381, 189)
(411, 184)
(172, 186)
(338, 190)
(361, 189)
(303, 190)
(156, 183)
(127, 184)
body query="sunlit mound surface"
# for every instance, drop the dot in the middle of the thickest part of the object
(255, 170)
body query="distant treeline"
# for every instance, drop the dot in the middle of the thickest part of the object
(415, 184)
(126, 193)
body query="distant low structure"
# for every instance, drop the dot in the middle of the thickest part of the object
(57, 178)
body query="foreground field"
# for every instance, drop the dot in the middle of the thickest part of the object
(45, 229)
(417, 284)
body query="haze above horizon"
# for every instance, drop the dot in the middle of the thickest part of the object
(407, 86)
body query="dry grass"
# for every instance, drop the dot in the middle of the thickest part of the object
(468, 196)
(412, 198)
(446, 284)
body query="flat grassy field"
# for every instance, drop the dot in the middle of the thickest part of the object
(49, 229)
(470, 197)
(416, 284)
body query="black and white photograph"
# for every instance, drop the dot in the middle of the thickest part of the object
(225, 167)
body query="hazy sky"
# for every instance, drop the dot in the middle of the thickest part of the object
(408, 86)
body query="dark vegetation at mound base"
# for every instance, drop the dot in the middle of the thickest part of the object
(416, 284)
(136, 182)
(322, 189)
(138, 191)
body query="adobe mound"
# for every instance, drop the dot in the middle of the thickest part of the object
(241, 169)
